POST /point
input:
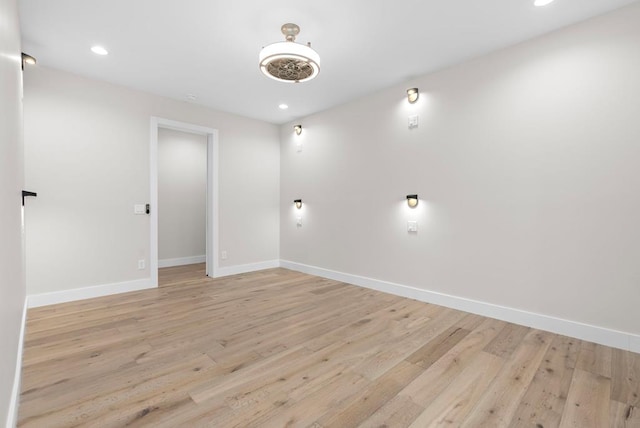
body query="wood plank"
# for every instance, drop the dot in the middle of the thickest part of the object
(588, 402)
(127, 397)
(398, 412)
(595, 359)
(623, 415)
(433, 350)
(369, 400)
(545, 399)
(625, 377)
(501, 399)
(507, 341)
(454, 403)
(429, 384)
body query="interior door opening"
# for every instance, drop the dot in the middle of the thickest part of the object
(182, 198)
(211, 200)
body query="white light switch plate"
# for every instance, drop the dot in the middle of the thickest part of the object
(412, 226)
(413, 121)
(299, 222)
(139, 209)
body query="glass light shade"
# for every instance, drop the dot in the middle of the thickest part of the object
(28, 59)
(412, 200)
(412, 95)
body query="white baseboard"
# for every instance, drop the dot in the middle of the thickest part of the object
(591, 333)
(12, 414)
(251, 267)
(181, 261)
(44, 299)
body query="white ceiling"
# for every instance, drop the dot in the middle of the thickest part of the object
(209, 48)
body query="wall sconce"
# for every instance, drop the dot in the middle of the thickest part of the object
(412, 95)
(298, 203)
(412, 201)
(27, 59)
(298, 129)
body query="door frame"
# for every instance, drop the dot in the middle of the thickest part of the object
(212, 192)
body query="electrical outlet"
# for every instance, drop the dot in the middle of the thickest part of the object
(223, 255)
(141, 264)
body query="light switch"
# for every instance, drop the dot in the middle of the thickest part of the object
(139, 209)
(413, 121)
(412, 226)
(299, 222)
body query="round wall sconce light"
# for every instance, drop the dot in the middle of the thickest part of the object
(412, 95)
(412, 201)
(298, 129)
(298, 203)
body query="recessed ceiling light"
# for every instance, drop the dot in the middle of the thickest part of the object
(540, 3)
(99, 50)
(191, 97)
(283, 106)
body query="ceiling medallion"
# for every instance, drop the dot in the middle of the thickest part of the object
(289, 61)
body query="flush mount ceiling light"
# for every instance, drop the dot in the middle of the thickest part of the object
(541, 3)
(289, 61)
(283, 106)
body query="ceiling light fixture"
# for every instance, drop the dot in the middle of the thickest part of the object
(99, 50)
(289, 61)
(283, 106)
(540, 3)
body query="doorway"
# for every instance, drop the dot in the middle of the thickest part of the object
(211, 205)
(182, 196)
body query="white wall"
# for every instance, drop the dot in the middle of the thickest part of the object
(12, 289)
(526, 164)
(182, 194)
(87, 155)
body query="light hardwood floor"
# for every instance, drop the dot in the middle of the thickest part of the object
(279, 348)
